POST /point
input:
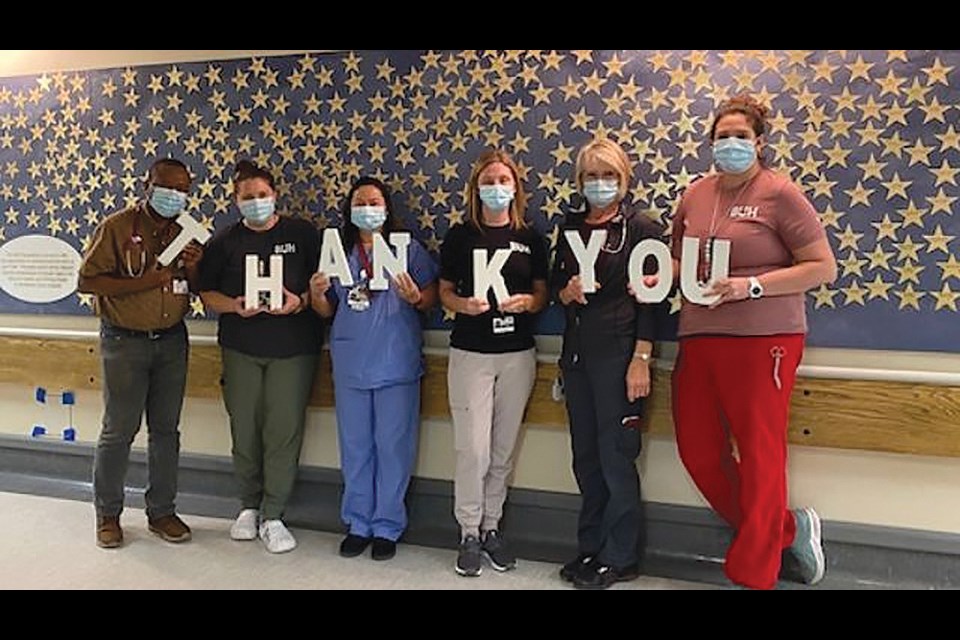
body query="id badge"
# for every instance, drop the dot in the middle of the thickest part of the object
(359, 298)
(181, 287)
(503, 325)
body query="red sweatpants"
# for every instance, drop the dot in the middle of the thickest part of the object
(730, 390)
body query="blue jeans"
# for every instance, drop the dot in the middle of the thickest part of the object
(141, 373)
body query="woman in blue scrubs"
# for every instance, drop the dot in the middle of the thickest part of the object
(376, 345)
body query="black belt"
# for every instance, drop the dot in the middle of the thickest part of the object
(109, 330)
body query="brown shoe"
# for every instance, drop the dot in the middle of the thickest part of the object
(109, 533)
(171, 528)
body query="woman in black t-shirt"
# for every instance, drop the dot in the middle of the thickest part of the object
(269, 354)
(606, 359)
(492, 354)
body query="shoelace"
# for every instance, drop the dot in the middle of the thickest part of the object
(472, 544)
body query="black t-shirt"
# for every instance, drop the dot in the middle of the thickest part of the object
(224, 269)
(493, 331)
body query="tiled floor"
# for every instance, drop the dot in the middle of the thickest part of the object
(49, 544)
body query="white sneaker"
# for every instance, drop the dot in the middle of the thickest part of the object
(245, 527)
(276, 537)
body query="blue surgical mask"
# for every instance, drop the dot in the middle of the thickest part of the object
(496, 197)
(169, 203)
(368, 218)
(734, 155)
(600, 193)
(257, 210)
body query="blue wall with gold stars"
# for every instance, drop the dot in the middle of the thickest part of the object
(871, 136)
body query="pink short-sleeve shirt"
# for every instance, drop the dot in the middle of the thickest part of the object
(766, 221)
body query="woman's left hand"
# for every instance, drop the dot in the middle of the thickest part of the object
(648, 281)
(517, 303)
(291, 304)
(407, 289)
(730, 290)
(638, 379)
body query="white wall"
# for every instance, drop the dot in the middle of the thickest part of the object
(883, 489)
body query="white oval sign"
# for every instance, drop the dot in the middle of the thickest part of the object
(38, 269)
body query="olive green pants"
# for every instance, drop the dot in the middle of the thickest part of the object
(267, 400)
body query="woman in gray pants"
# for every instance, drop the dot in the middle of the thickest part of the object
(492, 354)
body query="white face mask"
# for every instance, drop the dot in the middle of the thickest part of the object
(600, 193)
(368, 218)
(496, 197)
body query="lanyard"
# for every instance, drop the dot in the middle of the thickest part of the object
(706, 264)
(365, 263)
(716, 205)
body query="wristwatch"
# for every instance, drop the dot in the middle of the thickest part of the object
(755, 289)
(643, 357)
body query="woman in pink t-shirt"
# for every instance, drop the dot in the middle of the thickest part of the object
(739, 354)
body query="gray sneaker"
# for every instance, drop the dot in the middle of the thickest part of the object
(496, 552)
(468, 559)
(807, 547)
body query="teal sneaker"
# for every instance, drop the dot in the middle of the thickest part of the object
(807, 547)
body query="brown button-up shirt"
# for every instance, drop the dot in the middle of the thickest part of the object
(125, 245)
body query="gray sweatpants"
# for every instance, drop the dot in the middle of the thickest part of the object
(488, 395)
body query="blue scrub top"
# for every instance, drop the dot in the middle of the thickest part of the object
(383, 345)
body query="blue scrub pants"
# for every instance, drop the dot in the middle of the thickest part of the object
(377, 431)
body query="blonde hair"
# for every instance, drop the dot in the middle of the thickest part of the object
(475, 207)
(609, 153)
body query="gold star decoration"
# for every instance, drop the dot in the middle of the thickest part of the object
(851, 265)
(941, 202)
(938, 241)
(908, 249)
(949, 269)
(910, 272)
(946, 298)
(823, 297)
(854, 294)
(879, 288)
(909, 298)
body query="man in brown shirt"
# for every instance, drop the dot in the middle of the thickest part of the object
(143, 342)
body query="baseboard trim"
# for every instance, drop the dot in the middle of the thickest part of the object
(682, 542)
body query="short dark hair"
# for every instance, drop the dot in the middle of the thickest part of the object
(350, 232)
(166, 163)
(246, 170)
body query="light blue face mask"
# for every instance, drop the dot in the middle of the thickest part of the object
(169, 203)
(734, 155)
(600, 193)
(258, 210)
(368, 218)
(496, 197)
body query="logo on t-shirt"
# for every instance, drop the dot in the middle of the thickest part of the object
(286, 247)
(519, 248)
(503, 325)
(745, 212)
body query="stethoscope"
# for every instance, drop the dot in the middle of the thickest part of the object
(622, 241)
(136, 240)
(618, 222)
